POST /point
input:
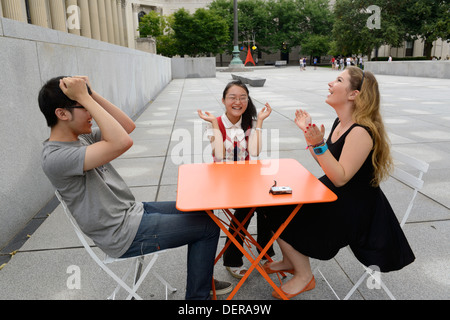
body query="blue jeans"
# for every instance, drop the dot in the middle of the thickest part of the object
(164, 227)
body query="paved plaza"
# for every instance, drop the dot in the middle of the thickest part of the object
(417, 115)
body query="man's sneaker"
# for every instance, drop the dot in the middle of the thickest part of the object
(222, 287)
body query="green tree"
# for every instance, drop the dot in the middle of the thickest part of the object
(316, 45)
(427, 20)
(286, 19)
(224, 8)
(316, 27)
(166, 45)
(400, 20)
(152, 24)
(158, 26)
(353, 32)
(278, 24)
(200, 34)
(252, 21)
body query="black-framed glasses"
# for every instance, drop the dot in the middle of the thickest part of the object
(73, 107)
(236, 99)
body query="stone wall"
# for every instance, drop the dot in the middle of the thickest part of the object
(418, 68)
(29, 56)
(183, 68)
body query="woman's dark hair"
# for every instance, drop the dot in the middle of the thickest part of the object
(51, 97)
(250, 114)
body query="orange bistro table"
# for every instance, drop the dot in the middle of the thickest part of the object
(246, 184)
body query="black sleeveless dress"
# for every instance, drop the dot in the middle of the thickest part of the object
(361, 217)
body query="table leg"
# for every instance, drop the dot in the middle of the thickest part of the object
(246, 254)
(262, 253)
(272, 240)
(240, 226)
(236, 231)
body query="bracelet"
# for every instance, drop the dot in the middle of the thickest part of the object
(316, 145)
(258, 129)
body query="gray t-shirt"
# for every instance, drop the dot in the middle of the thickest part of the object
(99, 199)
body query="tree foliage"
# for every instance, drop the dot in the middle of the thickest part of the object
(400, 20)
(428, 20)
(252, 19)
(354, 32)
(152, 24)
(159, 27)
(200, 34)
(280, 25)
(317, 24)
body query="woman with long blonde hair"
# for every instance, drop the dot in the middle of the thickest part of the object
(355, 159)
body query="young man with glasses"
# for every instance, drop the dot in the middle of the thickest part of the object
(76, 159)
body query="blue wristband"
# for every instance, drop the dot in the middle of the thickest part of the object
(321, 149)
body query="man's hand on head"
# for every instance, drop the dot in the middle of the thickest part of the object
(74, 88)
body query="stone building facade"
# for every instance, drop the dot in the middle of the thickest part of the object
(113, 21)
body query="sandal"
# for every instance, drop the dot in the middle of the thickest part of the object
(237, 272)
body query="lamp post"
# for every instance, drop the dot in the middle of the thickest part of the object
(236, 62)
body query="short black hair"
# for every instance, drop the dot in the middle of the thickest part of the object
(51, 97)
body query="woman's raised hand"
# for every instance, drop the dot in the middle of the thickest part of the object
(206, 116)
(302, 119)
(265, 112)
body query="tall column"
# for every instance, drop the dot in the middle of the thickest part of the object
(94, 17)
(109, 21)
(73, 17)
(39, 13)
(85, 22)
(15, 9)
(120, 11)
(129, 24)
(102, 20)
(135, 21)
(115, 22)
(58, 14)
